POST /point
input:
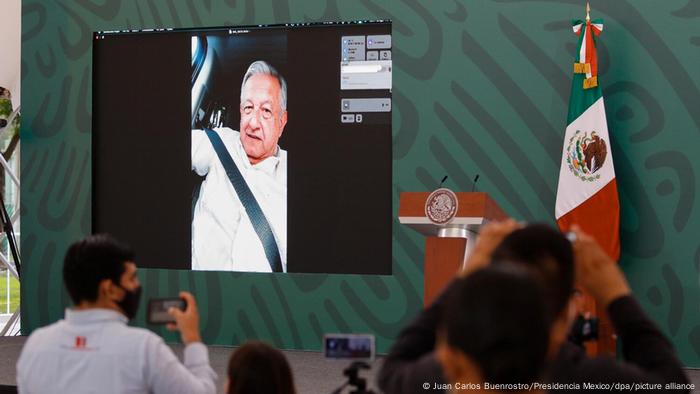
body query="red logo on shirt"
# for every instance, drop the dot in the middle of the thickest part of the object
(80, 342)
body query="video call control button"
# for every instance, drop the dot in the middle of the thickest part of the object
(347, 118)
(358, 118)
(352, 48)
(366, 105)
(379, 42)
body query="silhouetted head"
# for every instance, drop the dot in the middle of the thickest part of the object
(258, 368)
(548, 253)
(495, 328)
(99, 271)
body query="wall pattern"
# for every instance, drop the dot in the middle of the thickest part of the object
(499, 75)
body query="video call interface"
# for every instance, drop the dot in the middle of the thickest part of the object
(246, 149)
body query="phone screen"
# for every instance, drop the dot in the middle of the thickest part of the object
(349, 346)
(158, 309)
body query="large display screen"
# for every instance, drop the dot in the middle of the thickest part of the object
(250, 149)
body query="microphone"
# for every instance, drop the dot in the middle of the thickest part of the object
(476, 178)
(442, 181)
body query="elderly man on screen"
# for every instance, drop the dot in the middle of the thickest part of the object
(240, 217)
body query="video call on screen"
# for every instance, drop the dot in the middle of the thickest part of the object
(290, 171)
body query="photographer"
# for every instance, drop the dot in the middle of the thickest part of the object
(549, 256)
(93, 350)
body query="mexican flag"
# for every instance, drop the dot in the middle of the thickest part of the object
(587, 191)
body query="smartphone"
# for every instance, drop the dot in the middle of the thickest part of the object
(158, 309)
(349, 346)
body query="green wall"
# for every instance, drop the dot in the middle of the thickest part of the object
(479, 87)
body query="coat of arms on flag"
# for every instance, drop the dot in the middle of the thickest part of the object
(586, 155)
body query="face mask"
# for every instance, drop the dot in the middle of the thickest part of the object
(130, 303)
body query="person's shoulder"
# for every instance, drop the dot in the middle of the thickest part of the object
(138, 340)
(227, 132)
(572, 364)
(282, 154)
(223, 132)
(229, 136)
(138, 333)
(42, 334)
(48, 330)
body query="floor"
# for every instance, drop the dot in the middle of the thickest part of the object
(313, 374)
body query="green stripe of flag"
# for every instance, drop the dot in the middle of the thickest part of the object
(581, 98)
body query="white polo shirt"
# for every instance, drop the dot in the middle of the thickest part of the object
(94, 351)
(223, 238)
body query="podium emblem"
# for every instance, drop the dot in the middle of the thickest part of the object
(441, 206)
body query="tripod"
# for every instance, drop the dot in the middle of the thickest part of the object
(354, 379)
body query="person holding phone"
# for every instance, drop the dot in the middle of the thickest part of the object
(94, 350)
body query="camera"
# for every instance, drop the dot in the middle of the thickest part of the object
(584, 329)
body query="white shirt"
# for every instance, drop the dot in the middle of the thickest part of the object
(94, 351)
(223, 238)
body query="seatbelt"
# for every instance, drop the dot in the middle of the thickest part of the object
(252, 208)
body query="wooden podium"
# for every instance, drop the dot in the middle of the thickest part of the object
(447, 245)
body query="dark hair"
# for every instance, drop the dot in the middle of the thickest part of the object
(258, 368)
(550, 257)
(496, 316)
(92, 260)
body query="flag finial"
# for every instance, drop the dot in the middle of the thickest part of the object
(588, 12)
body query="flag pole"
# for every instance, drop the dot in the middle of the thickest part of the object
(588, 12)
